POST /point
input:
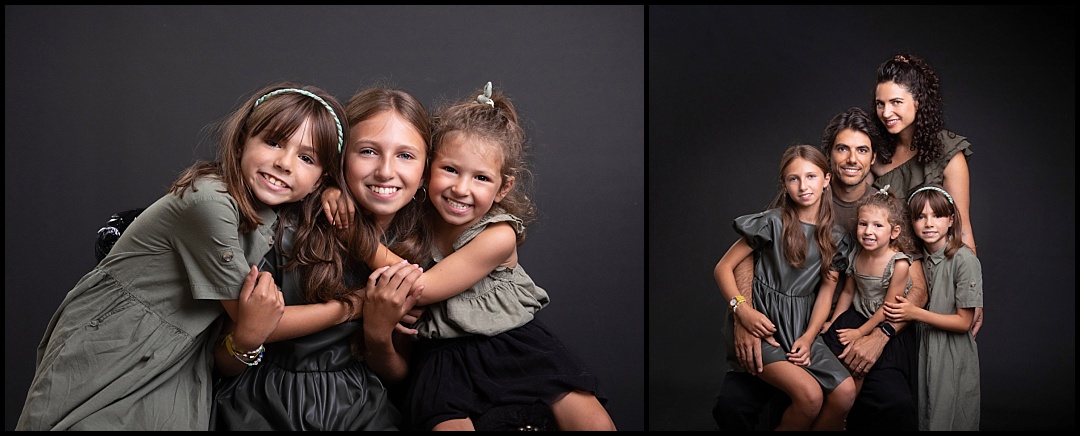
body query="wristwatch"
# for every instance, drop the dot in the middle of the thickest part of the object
(887, 328)
(734, 303)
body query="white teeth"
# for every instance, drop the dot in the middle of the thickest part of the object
(274, 181)
(457, 205)
(383, 191)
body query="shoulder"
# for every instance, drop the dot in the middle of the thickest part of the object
(207, 201)
(495, 227)
(951, 144)
(965, 258)
(497, 238)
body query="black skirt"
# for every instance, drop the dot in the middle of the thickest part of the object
(464, 377)
(899, 353)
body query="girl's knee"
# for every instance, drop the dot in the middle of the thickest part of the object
(844, 393)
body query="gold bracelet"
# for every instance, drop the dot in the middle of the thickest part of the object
(250, 358)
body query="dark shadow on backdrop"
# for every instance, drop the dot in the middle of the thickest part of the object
(731, 87)
(104, 106)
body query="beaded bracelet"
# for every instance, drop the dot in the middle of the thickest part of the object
(250, 358)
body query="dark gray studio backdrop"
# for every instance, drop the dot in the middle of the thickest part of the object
(104, 106)
(731, 87)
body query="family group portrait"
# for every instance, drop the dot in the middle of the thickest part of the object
(861, 218)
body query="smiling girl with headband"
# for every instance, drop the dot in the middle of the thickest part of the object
(948, 378)
(130, 346)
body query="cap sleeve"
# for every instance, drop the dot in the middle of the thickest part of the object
(844, 247)
(758, 228)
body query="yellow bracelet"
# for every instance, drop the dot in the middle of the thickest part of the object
(250, 358)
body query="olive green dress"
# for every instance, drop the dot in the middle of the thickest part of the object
(129, 348)
(786, 295)
(912, 174)
(949, 387)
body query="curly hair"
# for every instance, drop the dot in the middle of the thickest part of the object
(916, 76)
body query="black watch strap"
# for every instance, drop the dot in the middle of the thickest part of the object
(887, 328)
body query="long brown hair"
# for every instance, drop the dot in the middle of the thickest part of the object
(794, 240)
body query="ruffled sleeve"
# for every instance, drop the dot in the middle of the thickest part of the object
(506, 298)
(844, 248)
(758, 228)
(951, 144)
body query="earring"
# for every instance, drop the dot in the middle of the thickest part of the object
(422, 190)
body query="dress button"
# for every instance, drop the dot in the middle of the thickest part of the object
(226, 256)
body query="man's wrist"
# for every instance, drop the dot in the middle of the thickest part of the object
(886, 329)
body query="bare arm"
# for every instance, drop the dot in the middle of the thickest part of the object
(957, 182)
(753, 321)
(843, 303)
(389, 295)
(822, 305)
(494, 246)
(261, 309)
(747, 346)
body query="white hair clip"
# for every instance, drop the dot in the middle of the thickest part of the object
(485, 98)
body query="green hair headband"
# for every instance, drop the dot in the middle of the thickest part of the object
(340, 136)
(927, 188)
(485, 98)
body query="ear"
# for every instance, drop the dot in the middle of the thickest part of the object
(895, 232)
(505, 189)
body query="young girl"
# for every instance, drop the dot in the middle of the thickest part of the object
(878, 272)
(130, 346)
(310, 379)
(948, 377)
(797, 254)
(480, 346)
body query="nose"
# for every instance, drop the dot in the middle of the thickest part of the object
(283, 161)
(385, 170)
(461, 187)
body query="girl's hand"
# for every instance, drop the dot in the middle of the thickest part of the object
(754, 322)
(338, 209)
(391, 296)
(848, 336)
(899, 311)
(409, 319)
(800, 352)
(259, 309)
(825, 327)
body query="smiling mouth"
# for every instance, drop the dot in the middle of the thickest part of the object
(381, 190)
(274, 181)
(457, 205)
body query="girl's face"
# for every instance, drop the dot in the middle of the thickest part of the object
(384, 164)
(804, 182)
(278, 173)
(931, 228)
(895, 106)
(873, 228)
(466, 179)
